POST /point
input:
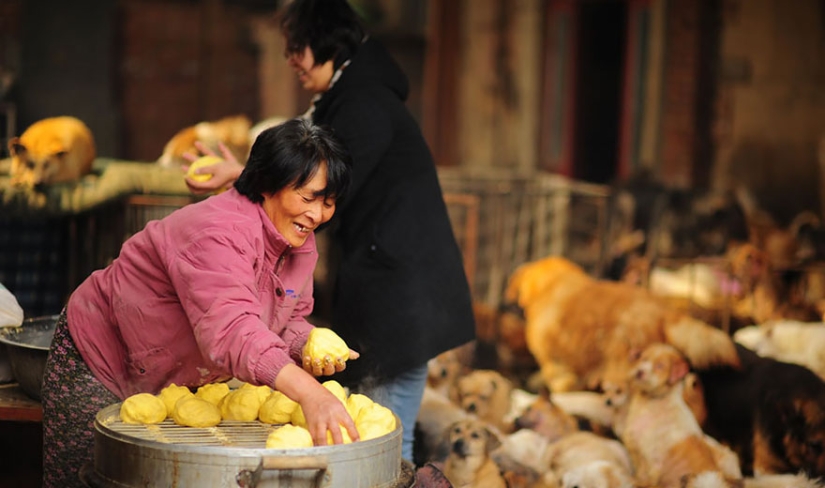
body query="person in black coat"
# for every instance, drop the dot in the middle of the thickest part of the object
(400, 295)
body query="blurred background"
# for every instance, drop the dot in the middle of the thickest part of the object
(703, 92)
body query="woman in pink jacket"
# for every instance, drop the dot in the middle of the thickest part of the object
(218, 289)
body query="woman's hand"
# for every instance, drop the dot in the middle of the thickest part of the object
(224, 173)
(323, 411)
(328, 366)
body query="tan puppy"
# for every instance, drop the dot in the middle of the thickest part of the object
(53, 150)
(234, 132)
(444, 370)
(486, 394)
(436, 414)
(547, 419)
(572, 459)
(579, 328)
(661, 433)
(469, 463)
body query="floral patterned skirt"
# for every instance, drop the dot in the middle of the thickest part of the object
(71, 397)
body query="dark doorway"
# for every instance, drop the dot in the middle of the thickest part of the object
(601, 41)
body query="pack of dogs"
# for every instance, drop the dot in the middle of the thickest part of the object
(643, 397)
(62, 149)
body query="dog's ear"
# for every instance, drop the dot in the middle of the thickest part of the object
(678, 370)
(493, 439)
(15, 148)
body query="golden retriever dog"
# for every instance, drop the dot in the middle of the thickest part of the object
(233, 131)
(586, 459)
(469, 463)
(52, 150)
(582, 330)
(665, 442)
(486, 393)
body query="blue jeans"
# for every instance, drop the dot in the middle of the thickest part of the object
(402, 394)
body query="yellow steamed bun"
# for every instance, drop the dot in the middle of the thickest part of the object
(374, 421)
(213, 392)
(263, 390)
(171, 394)
(143, 408)
(289, 437)
(356, 402)
(242, 404)
(336, 389)
(191, 411)
(277, 409)
(200, 163)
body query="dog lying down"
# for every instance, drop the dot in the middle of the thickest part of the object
(788, 341)
(52, 150)
(770, 412)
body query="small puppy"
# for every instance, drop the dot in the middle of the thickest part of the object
(590, 459)
(547, 419)
(469, 463)
(486, 394)
(444, 370)
(597, 474)
(436, 414)
(234, 132)
(660, 431)
(52, 150)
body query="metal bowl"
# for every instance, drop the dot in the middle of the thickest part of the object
(28, 347)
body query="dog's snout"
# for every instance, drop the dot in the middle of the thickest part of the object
(458, 446)
(472, 408)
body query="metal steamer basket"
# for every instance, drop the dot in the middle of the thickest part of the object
(232, 454)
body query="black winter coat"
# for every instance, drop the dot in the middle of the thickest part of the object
(401, 296)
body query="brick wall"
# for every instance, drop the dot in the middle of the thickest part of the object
(682, 69)
(181, 63)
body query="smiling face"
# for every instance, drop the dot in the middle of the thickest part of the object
(297, 212)
(313, 78)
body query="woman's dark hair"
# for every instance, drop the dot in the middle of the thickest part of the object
(289, 155)
(330, 28)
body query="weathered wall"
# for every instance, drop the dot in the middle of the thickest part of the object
(499, 85)
(771, 106)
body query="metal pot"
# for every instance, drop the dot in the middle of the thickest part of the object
(28, 347)
(232, 454)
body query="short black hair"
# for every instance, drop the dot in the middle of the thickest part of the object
(331, 29)
(289, 155)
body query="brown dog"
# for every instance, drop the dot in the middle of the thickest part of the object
(665, 442)
(485, 393)
(582, 330)
(234, 132)
(53, 150)
(469, 463)
(770, 412)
